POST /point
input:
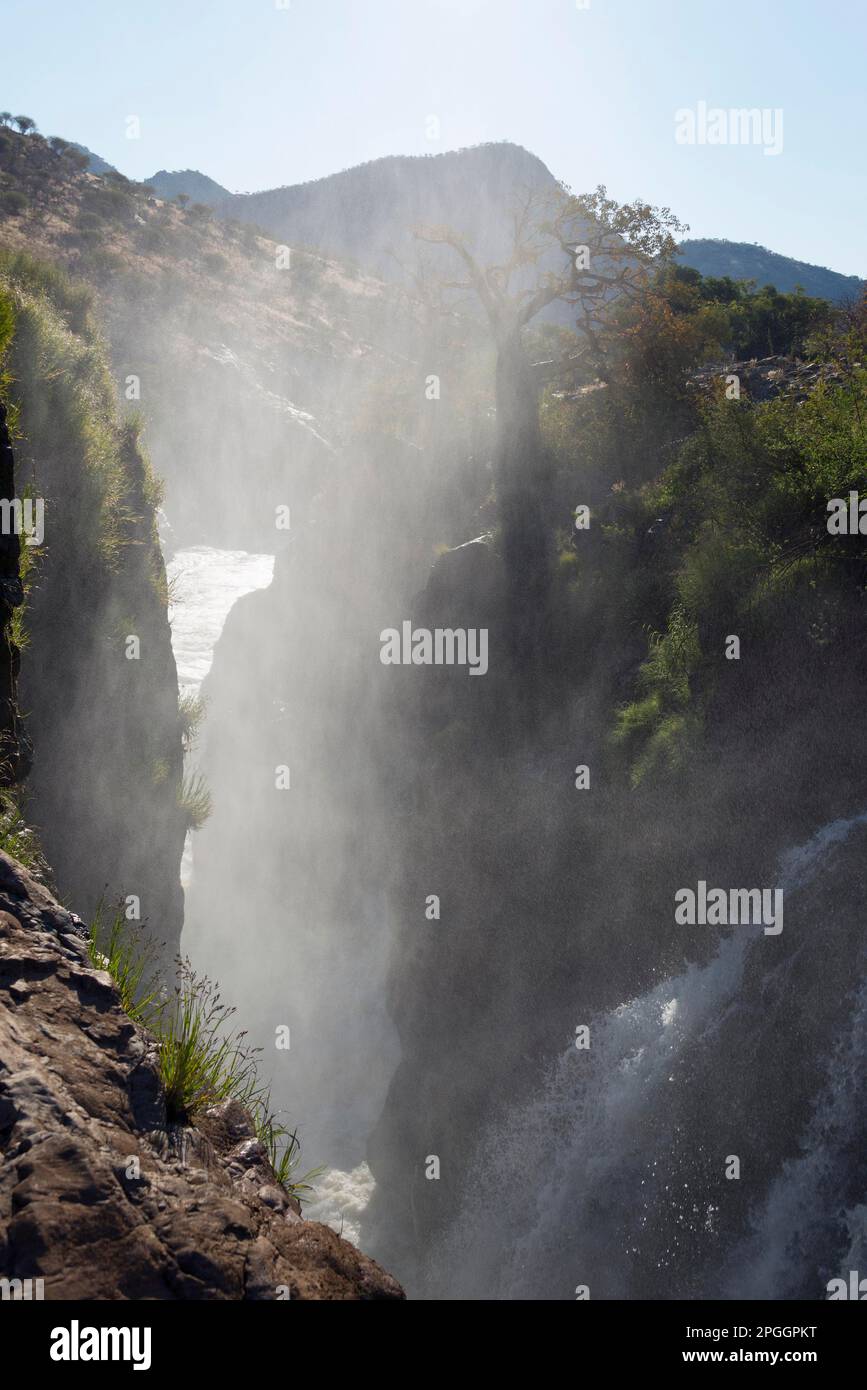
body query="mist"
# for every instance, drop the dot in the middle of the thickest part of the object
(433, 636)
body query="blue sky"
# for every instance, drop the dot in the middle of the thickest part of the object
(257, 95)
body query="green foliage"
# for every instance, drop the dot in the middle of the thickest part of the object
(71, 299)
(284, 1154)
(202, 1058)
(130, 960)
(748, 321)
(657, 729)
(17, 838)
(7, 328)
(12, 203)
(191, 710)
(194, 800)
(57, 373)
(744, 549)
(29, 557)
(205, 1060)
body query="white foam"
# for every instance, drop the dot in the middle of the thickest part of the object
(341, 1200)
(204, 585)
(580, 1146)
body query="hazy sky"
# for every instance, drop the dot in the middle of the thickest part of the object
(257, 94)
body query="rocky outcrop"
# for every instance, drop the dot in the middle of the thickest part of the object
(99, 1197)
(99, 682)
(764, 378)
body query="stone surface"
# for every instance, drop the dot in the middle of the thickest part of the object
(98, 1196)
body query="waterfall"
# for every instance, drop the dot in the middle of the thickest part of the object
(204, 583)
(574, 1186)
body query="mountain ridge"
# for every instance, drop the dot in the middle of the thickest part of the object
(288, 210)
(334, 213)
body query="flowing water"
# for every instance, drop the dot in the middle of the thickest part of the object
(205, 583)
(564, 1193)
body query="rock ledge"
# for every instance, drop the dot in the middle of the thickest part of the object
(98, 1196)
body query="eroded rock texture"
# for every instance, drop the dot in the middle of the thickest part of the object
(81, 1113)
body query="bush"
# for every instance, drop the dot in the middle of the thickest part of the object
(745, 549)
(12, 203)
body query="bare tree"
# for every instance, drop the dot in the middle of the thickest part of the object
(586, 252)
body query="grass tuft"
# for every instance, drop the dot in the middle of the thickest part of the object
(191, 711)
(130, 960)
(195, 800)
(203, 1058)
(18, 839)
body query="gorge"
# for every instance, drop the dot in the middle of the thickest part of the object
(418, 889)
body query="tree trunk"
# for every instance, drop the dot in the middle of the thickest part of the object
(522, 485)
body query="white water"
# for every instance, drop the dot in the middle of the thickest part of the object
(204, 585)
(342, 1199)
(580, 1147)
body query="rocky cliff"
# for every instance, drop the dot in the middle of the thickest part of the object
(99, 1196)
(99, 683)
(13, 749)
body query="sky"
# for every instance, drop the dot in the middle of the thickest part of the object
(262, 93)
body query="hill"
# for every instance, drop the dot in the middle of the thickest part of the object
(198, 187)
(231, 357)
(742, 260)
(366, 214)
(95, 162)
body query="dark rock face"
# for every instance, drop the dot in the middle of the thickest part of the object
(13, 746)
(556, 908)
(98, 1197)
(106, 737)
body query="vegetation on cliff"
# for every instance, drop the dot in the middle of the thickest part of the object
(712, 503)
(99, 687)
(202, 1058)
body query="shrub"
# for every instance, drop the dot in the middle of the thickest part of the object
(194, 800)
(191, 711)
(12, 203)
(17, 838)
